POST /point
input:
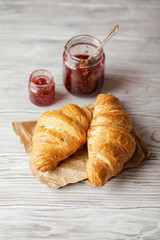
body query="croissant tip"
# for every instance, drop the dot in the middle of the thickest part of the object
(43, 167)
(96, 181)
(96, 175)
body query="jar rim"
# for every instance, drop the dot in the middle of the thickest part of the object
(85, 36)
(45, 73)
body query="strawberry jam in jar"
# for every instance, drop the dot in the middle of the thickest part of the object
(83, 77)
(41, 88)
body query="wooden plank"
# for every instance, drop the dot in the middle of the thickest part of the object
(91, 222)
(53, 19)
(143, 193)
(122, 56)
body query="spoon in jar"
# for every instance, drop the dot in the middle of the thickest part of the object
(114, 30)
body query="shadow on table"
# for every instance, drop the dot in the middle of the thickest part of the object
(116, 81)
(60, 95)
(113, 82)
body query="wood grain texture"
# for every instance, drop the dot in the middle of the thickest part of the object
(32, 36)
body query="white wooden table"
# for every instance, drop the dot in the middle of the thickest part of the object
(32, 36)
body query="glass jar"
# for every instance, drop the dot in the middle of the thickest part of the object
(41, 88)
(82, 77)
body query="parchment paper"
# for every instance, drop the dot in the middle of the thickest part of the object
(71, 170)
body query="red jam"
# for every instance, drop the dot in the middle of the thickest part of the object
(40, 80)
(84, 79)
(41, 88)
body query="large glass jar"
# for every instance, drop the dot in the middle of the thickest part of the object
(82, 77)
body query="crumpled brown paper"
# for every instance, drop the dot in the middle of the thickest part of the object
(71, 170)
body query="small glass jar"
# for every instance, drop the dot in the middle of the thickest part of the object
(82, 77)
(41, 88)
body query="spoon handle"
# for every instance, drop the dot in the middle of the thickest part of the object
(114, 30)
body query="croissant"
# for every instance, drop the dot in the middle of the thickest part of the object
(59, 134)
(110, 142)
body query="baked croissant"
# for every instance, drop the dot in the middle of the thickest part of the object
(110, 143)
(58, 135)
